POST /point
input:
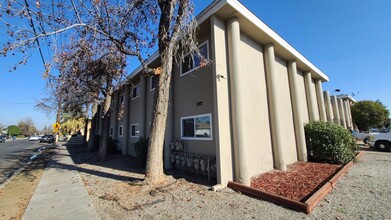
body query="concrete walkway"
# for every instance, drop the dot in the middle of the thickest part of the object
(60, 193)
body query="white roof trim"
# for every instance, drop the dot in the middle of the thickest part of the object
(217, 5)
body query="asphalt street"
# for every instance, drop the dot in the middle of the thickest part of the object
(14, 155)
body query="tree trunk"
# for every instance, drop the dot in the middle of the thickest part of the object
(154, 168)
(105, 126)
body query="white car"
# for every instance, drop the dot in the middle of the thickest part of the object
(33, 138)
(382, 141)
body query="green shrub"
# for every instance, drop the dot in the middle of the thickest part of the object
(141, 148)
(20, 136)
(329, 143)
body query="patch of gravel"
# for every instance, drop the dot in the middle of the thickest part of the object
(363, 193)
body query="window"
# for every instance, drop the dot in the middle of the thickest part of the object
(120, 131)
(153, 82)
(194, 62)
(111, 131)
(121, 99)
(197, 127)
(135, 130)
(136, 91)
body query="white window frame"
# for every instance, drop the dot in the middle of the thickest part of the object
(111, 131)
(197, 138)
(150, 83)
(119, 131)
(207, 57)
(131, 130)
(138, 85)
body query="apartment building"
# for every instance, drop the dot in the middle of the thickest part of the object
(243, 114)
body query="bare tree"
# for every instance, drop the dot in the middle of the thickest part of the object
(90, 72)
(27, 127)
(137, 28)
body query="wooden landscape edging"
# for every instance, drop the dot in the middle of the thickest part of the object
(306, 206)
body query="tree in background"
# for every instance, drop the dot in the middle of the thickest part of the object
(27, 127)
(369, 114)
(71, 124)
(14, 130)
(47, 130)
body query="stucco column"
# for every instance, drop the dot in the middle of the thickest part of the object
(342, 112)
(143, 102)
(329, 109)
(309, 94)
(334, 104)
(115, 115)
(275, 121)
(319, 95)
(346, 112)
(126, 120)
(239, 108)
(222, 118)
(350, 114)
(298, 120)
(169, 135)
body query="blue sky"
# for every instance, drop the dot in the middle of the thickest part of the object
(349, 40)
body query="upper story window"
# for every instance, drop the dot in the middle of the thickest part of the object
(136, 91)
(153, 81)
(198, 127)
(191, 63)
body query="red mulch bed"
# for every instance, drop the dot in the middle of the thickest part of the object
(299, 181)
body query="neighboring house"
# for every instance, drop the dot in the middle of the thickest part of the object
(243, 114)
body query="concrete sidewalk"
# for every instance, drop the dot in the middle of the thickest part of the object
(60, 193)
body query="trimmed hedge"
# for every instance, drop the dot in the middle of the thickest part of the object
(329, 143)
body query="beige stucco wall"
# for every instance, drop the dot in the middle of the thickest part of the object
(284, 112)
(315, 101)
(189, 89)
(258, 139)
(302, 101)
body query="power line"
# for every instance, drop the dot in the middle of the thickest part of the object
(17, 103)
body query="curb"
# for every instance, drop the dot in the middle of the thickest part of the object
(306, 206)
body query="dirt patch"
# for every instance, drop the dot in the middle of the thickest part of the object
(299, 181)
(16, 195)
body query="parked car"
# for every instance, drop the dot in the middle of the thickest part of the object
(48, 138)
(382, 141)
(2, 139)
(33, 138)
